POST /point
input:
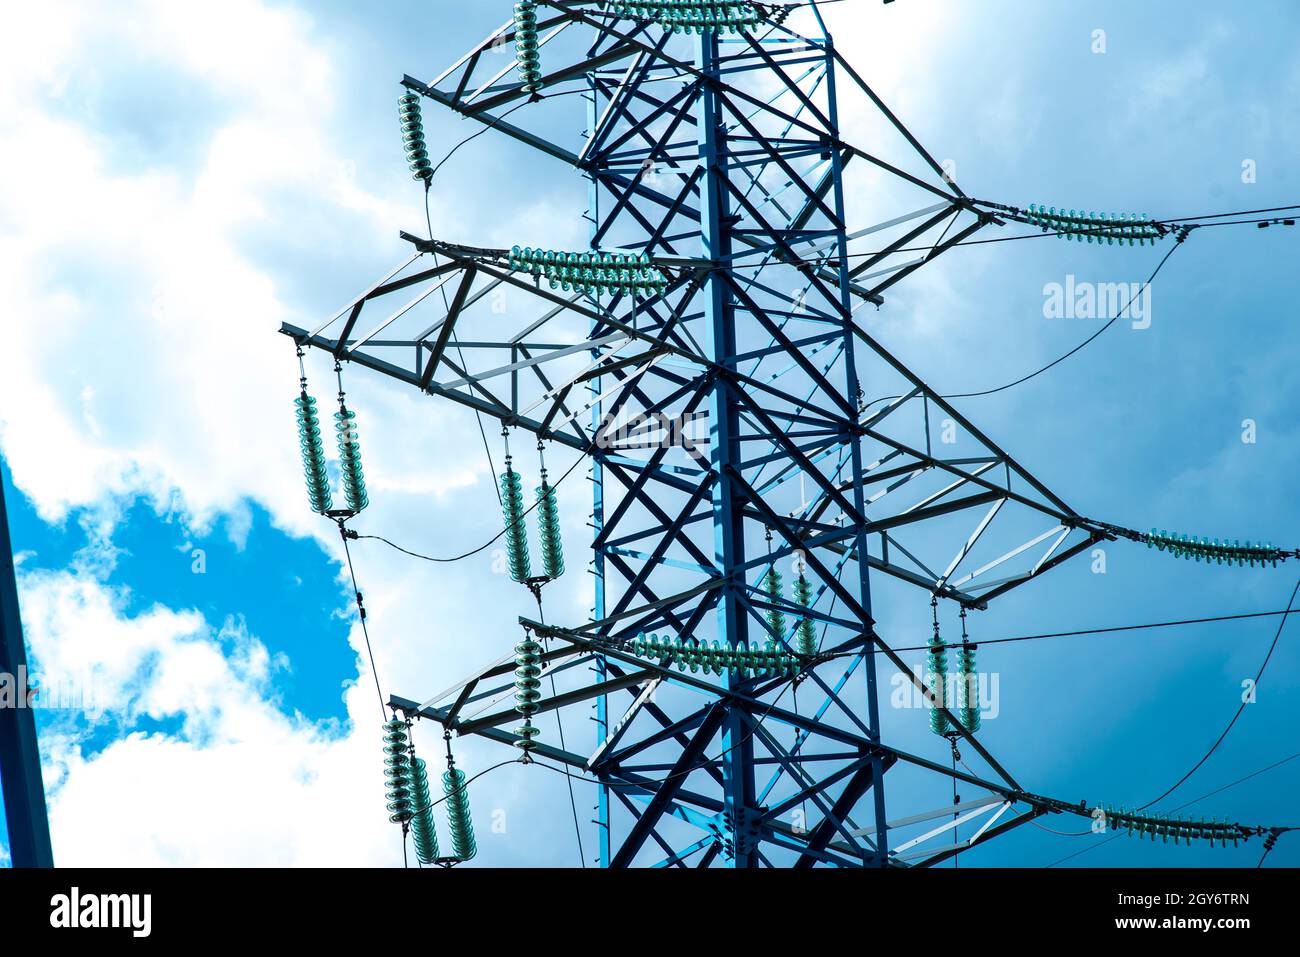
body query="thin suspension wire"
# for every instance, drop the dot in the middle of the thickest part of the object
(1260, 674)
(1213, 748)
(476, 134)
(478, 416)
(429, 223)
(1098, 631)
(956, 799)
(468, 781)
(456, 558)
(1268, 849)
(1241, 212)
(361, 614)
(992, 240)
(1061, 358)
(1174, 810)
(559, 723)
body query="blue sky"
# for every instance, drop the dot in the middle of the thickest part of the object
(176, 182)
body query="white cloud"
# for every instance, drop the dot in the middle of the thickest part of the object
(238, 782)
(141, 358)
(141, 352)
(202, 767)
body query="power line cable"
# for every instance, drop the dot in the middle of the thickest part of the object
(1241, 780)
(1061, 358)
(1241, 212)
(1173, 224)
(1213, 748)
(559, 723)
(477, 133)
(1100, 631)
(488, 544)
(1245, 700)
(1181, 807)
(361, 614)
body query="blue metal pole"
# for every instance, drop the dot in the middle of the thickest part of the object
(20, 761)
(598, 521)
(729, 537)
(852, 389)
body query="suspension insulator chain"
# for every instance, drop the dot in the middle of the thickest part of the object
(937, 676)
(397, 770)
(693, 16)
(548, 532)
(594, 273)
(548, 526)
(1105, 229)
(1213, 550)
(422, 827)
(354, 480)
(527, 54)
(512, 508)
(417, 152)
(1176, 828)
(712, 658)
(806, 634)
(968, 682)
(313, 454)
(968, 688)
(528, 659)
(775, 615)
(459, 822)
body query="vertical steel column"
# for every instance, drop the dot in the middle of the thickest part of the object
(853, 390)
(725, 452)
(20, 760)
(598, 513)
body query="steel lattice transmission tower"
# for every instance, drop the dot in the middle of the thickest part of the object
(732, 425)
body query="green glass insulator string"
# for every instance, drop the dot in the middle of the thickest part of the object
(423, 831)
(775, 615)
(459, 823)
(1106, 229)
(397, 771)
(1165, 828)
(354, 480)
(968, 682)
(350, 471)
(516, 535)
(968, 695)
(712, 658)
(593, 272)
(512, 511)
(417, 151)
(527, 53)
(528, 660)
(693, 16)
(548, 532)
(549, 539)
(806, 634)
(1213, 550)
(311, 445)
(937, 676)
(313, 454)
